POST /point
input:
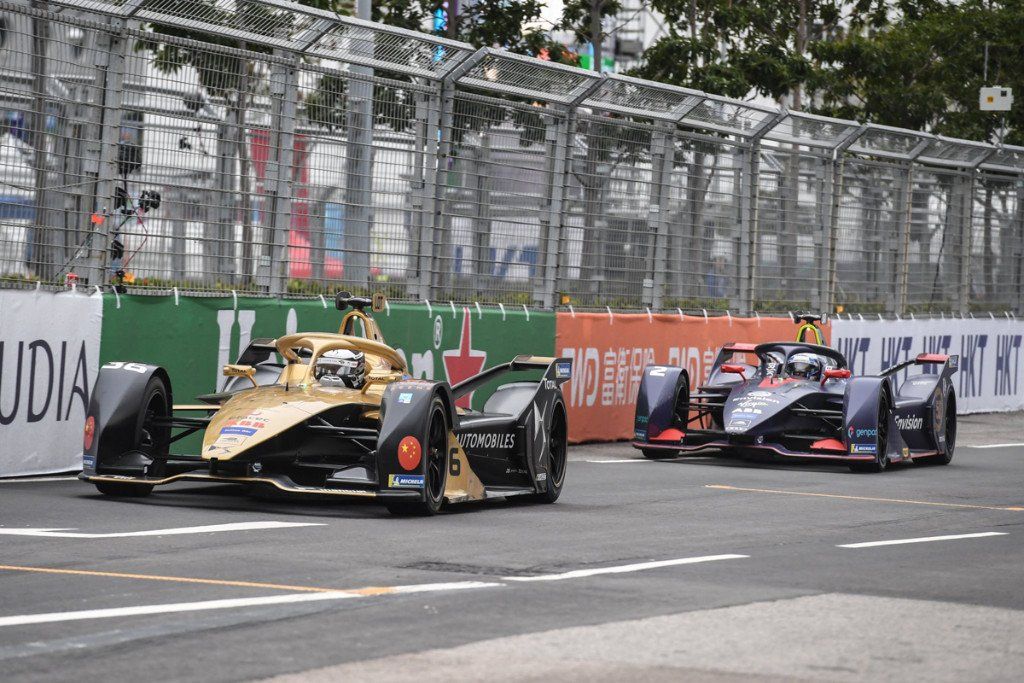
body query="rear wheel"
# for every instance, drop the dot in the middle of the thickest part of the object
(435, 467)
(150, 442)
(558, 457)
(881, 460)
(949, 429)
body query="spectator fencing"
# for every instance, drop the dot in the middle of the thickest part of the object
(298, 152)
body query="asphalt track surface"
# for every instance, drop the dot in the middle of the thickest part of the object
(697, 568)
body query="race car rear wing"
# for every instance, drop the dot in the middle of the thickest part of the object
(558, 369)
(951, 362)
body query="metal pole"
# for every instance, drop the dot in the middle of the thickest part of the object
(662, 161)
(359, 164)
(110, 63)
(965, 185)
(284, 95)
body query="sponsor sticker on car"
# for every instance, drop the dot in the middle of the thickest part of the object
(405, 481)
(238, 431)
(863, 448)
(405, 397)
(563, 370)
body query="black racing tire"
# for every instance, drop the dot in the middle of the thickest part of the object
(152, 442)
(949, 425)
(881, 461)
(119, 490)
(435, 467)
(558, 458)
(659, 453)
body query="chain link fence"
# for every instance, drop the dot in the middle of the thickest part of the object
(262, 147)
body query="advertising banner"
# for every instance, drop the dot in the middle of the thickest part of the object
(49, 357)
(990, 377)
(609, 353)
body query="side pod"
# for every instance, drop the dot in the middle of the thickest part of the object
(660, 387)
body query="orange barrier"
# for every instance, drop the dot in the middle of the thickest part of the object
(610, 352)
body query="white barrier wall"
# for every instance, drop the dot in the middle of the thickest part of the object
(49, 357)
(991, 374)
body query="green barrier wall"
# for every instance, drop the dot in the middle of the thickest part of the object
(195, 337)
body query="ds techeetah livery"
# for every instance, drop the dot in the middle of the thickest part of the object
(337, 415)
(796, 399)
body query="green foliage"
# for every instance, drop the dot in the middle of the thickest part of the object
(923, 66)
(577, 16)
(736, 47)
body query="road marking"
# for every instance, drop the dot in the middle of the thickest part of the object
(723, 487)
(173, 579)
(208, 529)
(926, 539)
(619, 461)
(623, 569)
(997, 445)
(234, 603)
(30, 480)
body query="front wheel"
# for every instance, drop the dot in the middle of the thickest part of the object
(881, 460)
(659, 453)
(150, 442)
(119, 490)
(435, 469)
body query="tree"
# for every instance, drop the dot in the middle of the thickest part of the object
(920, 66)
(585, 18)
(740, 47)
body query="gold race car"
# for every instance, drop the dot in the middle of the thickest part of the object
(336, 415)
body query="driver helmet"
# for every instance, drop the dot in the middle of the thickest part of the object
(341, 367)
(804, 365)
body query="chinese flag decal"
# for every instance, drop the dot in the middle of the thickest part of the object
(409, 453)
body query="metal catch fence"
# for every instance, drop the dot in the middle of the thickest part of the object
(268, 148)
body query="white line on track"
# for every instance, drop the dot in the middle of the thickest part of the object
(623, 569)
(926, 539)
(142, 610)
(208, 529)
(36, 480)
(618, 461)
(996, 445)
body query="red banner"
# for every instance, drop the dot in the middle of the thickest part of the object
(610, 352)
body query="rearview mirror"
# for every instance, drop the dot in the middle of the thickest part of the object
(835, 373)
(735, 370)
(241, 371)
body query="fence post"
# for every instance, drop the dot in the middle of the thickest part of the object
(553, 225)
(284, 93)
(110, 63)
(557, 139)
(434, 247)
(1017, 263)
(903, 247)
(749, 199)
(424, 195)
(965, 185)
(663, 149)
(837, 171)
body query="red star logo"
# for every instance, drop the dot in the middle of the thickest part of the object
(462, 363)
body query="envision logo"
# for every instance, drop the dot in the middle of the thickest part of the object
(909, 422)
